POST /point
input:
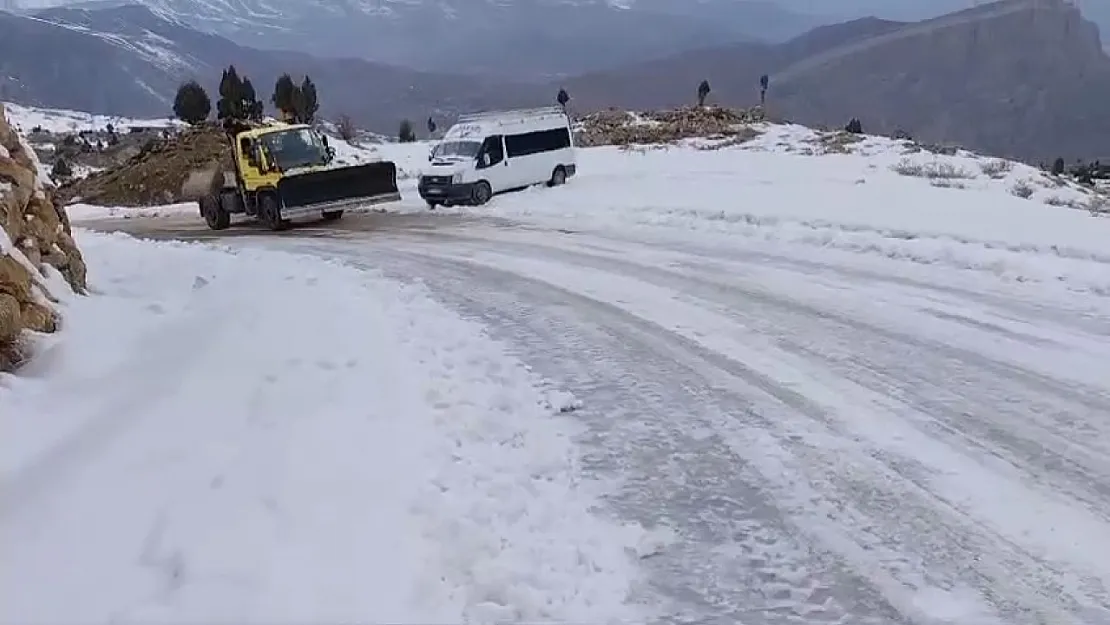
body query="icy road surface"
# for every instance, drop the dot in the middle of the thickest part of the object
(830, 442)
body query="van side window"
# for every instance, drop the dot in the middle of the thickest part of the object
(493, 147)
(537, 142)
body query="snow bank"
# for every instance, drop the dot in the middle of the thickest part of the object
(258, 436)
(771, 190)
(84, 212)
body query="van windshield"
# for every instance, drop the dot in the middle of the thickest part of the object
(466, 149)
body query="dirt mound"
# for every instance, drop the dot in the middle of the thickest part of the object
(34, 232)
(153, 176)
(624, 128)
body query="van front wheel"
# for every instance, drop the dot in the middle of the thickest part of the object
(558, 177)
(482, 193)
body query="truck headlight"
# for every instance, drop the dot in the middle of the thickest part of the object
(456, 178)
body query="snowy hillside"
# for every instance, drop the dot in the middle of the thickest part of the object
(792, 376)
(877, 196)
(27, 118)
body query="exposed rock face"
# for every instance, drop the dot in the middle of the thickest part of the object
(33, 235)
(652, 127)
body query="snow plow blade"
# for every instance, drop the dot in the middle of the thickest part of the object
(370, 183)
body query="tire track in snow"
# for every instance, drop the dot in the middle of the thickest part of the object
(842, 511)
(992, 578)
(654, 419)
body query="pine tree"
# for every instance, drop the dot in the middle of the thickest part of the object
(192, 104)
(61, 171)
(230, 105)
(703, 92)
(406, 134)
(251, 105)
(308, 102)
(285, 96)
(563, 98)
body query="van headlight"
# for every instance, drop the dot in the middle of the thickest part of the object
(456, 178)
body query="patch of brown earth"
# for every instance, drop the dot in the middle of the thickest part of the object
(155, 175)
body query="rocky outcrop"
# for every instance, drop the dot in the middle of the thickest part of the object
(35, 238)
(653, 127)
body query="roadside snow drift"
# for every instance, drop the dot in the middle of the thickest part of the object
(873, 197)
(256, 436)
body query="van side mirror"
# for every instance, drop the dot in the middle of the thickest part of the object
(484, 159)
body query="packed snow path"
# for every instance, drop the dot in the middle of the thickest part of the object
(830, 442)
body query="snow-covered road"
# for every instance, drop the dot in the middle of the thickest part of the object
(829, 442)
(861, 388)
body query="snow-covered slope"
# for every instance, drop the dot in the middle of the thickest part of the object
(388, 464)
(27, 118)
(879, 197)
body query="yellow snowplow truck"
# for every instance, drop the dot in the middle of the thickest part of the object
(284, 172)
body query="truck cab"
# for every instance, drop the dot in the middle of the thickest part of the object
(488, 153)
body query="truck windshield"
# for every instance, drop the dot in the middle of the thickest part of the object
(467, 149)
(299, 147)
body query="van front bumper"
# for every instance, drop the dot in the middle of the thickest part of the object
(443, 192)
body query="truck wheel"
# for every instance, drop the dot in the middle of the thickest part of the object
(214, 215)
(482, 193)
(270, 212)
(333, 215)
(432, 205)
(558, 177)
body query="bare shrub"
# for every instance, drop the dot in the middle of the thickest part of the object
(838, 142)
(1056, 200)
(935, 170)
(1022, 189)
(743, 135)
(996, 168)
(345, 127)
(944, 183)
(1099, 205)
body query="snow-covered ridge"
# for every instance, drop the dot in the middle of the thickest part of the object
(61, 121)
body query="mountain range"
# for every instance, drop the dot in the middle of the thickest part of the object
(531, 40)
(1020, 78)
